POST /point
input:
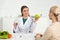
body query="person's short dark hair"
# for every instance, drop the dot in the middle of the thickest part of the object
(23, 8)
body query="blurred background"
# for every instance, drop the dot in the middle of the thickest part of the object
(10, 9)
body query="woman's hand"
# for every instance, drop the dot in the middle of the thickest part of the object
(15, 25)
(36, 19)
(38, 35)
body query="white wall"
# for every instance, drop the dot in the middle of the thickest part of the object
(1, 24)
(11, 8)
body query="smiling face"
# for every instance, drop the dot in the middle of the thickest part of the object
(25, 12)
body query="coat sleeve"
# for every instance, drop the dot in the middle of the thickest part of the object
(48, 34)
(33, 25)
(15, 30)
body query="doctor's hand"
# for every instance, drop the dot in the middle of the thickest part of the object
(36, 19)
(15, 25)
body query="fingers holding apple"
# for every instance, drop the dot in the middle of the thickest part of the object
(37, 16)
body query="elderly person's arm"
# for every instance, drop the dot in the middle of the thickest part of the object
(47, 35)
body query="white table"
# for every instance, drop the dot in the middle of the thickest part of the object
(21, 37)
